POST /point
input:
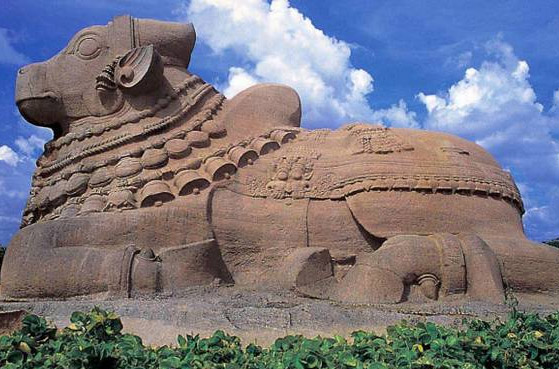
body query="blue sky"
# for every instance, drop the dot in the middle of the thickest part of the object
(485, 70)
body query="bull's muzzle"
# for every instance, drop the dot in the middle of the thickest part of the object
(36, 103)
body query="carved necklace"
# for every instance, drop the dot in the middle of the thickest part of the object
(123, 138)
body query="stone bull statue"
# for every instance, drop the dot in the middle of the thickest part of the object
(155, 183)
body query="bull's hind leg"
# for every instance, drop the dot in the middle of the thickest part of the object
(439, 266)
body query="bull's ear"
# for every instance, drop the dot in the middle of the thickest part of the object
(140, 70)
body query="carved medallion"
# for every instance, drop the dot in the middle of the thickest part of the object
(290, 176)
(375, 139)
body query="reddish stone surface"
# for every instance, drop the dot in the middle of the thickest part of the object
(155, 183)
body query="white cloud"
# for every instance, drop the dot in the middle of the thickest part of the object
(555, 106)
(9, 156)
(279, 44)
(238, 80)
(464, 59)
(542, 220)
(8, 54)
(397, 116)
(496, 106)
(31, 145)
(460, 61)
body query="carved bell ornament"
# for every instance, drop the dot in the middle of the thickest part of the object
(128, 167)
(93, 204)
(198, 139)
(177, 148)
(219, 168)
(213, 129)
(242, 156)
(190, 181)
(264, 146)
(121, 199)
(101, 177)
(77, 184)
(57, 195)
(154, 193)
(282, 136)
(154, 158)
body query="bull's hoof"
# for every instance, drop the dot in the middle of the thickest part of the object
(305, 267)
(195, 264)
(364, 284)
(145, 274)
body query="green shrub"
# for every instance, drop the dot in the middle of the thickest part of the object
(95, 340)
(554, 242)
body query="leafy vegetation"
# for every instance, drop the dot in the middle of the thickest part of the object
(554, 242)
(95, 340)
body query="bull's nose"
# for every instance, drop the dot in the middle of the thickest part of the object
(36, 102)
(30, 82)
(22, 70)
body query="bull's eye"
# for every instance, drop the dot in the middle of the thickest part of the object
(88, 47)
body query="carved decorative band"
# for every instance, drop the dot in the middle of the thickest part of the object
(201, 121)
(100, 129)
(431, 184)
(327, 187)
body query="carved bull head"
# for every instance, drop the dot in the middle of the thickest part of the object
(100, 69)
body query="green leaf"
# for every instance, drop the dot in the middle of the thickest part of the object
(181, 340)
(349, 360)
(15, 357)
(170, 363)
(452, 341)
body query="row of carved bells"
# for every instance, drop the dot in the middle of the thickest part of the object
(188, 181)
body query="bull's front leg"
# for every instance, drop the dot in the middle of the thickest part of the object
(36, 266)
(144, 252)
(36, 269)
